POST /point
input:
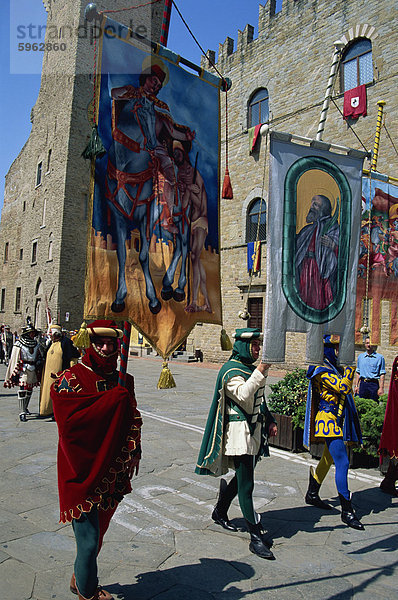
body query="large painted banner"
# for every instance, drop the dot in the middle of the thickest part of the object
(378, 258)
(313, 244)
(153, 253)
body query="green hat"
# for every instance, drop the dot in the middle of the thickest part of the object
(243, 341)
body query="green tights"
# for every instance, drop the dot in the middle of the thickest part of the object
(244, 469)
(87, 533)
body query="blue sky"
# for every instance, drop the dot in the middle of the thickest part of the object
(210, 20)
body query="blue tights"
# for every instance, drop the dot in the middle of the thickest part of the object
(338, 452)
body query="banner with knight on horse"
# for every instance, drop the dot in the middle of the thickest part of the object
(153, 253)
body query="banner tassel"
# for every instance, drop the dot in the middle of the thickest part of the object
(166, 379)
(225, 341)
(227, 192)
(95, 147)
(82, 338)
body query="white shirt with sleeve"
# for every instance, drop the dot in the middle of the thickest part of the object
(237, 439)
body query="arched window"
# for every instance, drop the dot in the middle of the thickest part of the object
(258, 108)
(356, 64)
(256, 211)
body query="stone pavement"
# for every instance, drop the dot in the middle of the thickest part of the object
(162, 543)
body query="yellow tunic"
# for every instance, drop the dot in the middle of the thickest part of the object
(53, 365)
(331, 390)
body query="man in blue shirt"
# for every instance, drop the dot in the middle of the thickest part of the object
(370, 373)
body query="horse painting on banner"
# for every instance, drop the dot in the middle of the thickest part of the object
(145, 191)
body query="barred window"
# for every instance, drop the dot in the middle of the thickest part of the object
(256, 211)
(3, 299)
(34, 253)
(357, 65)
(255, 308)
(18, 299)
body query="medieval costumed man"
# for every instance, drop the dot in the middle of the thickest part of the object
(235, 435)
(331, 416)
(389, 436)
(99, 449)
(24, 368)
(59, 355)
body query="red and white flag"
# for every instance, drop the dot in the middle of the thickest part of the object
(355, 103)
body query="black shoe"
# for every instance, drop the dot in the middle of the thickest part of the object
(220, 512)
(348, 515)
(257, 545)
(22, 417)
(221, 518)
(312, 495)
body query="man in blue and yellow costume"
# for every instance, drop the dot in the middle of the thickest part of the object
(235, 435)
(331, 416)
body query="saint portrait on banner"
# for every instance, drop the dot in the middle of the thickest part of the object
(317, 246)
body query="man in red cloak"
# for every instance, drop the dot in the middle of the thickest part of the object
(389, 436)
(99, 449)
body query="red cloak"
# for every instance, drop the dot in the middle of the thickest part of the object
(389, 435)
(99, 435)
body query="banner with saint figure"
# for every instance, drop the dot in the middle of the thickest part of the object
(312, 247)
(378, 258)
(153, 252)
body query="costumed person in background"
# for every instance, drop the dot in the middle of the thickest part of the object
(389, 436)
(2, 344)
(60, 354)
(236, 431)
(329, 404)
(24, 368)
(99, 449)
(8, 343)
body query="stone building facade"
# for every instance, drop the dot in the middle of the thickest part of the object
(291, 59)
(43, 227)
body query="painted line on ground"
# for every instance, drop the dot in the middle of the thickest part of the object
(285, 454)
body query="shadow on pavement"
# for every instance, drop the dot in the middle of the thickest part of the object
(186, 581)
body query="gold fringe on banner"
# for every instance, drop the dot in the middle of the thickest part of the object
(166, 379)
(225, 341)
(82, 338)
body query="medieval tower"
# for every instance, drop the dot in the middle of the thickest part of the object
(44, 218)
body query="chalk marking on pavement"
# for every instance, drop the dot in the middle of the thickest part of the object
(152, 513)
(200, 484)
(123, 522)
(146, 493)
(144, 413)
(273, 451)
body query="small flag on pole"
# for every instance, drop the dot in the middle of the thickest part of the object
(253, 256)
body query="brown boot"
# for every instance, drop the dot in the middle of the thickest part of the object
(100, 593)
(388, 484)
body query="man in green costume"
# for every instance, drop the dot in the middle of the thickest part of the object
(238, 423)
